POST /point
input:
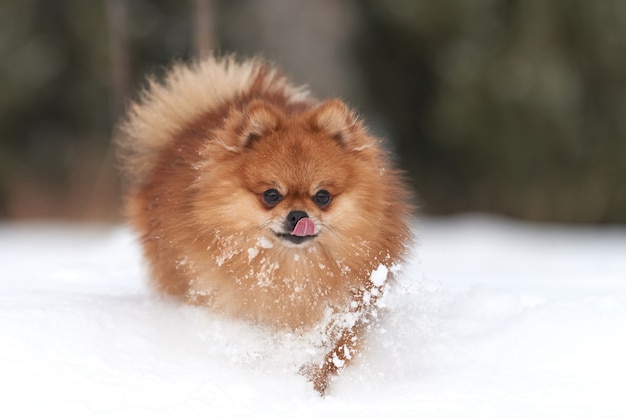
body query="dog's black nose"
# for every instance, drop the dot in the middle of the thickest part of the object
(293, 217)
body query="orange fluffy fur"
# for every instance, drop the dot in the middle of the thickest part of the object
(199, 150)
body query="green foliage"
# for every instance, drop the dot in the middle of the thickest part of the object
(56, 106)
(510, 106)
(507, 106)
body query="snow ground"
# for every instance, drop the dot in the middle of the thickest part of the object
(491, 318)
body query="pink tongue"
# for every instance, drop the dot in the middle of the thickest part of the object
(303, 228)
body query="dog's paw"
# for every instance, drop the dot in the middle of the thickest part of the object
(319, 375)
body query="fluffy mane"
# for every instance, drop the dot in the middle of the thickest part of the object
(188, 91)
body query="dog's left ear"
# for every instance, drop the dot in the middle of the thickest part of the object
(334, 118)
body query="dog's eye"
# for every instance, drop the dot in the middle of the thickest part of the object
(272, 197)
(322, 198)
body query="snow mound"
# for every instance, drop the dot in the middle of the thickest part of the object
(490, 318)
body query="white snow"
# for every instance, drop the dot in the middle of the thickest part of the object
(379, 276)
(264, 242)
(252, 252)
(490, 318)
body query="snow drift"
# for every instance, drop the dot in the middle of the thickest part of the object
(489, 318)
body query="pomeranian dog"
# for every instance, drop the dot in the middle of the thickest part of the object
(257, 201)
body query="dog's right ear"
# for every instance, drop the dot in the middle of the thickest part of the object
(243, 127)
(260, 119)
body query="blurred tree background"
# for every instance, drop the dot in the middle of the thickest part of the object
(515, 107)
